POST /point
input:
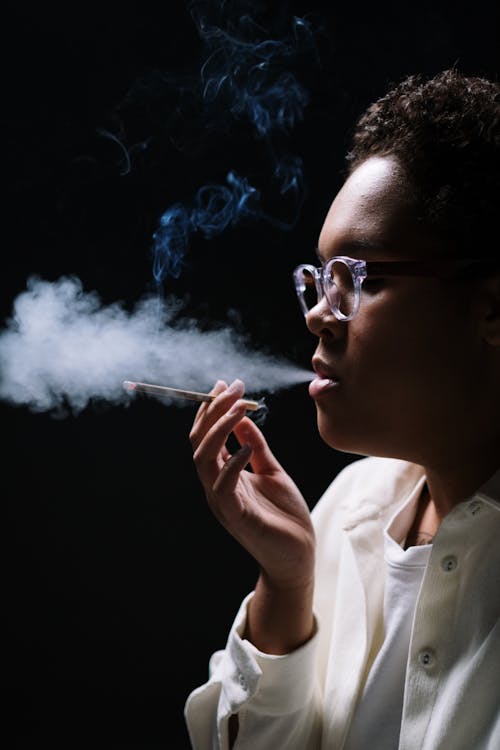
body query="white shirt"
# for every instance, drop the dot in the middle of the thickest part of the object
(306, 700)
(377, 719)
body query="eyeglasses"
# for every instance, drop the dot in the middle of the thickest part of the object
(341, 278)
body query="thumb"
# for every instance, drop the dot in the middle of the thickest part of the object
(262, 460)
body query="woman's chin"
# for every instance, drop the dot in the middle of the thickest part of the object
(334, 436)
(343, 438)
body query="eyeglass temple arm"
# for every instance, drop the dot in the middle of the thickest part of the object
(419, 267)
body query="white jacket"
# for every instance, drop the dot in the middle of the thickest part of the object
(305, 700)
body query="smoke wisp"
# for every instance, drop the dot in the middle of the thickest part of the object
(244, 78)
(62, 349)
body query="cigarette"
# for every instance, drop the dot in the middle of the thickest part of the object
(163, 390)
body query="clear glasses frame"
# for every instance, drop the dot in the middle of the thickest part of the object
(325, 285)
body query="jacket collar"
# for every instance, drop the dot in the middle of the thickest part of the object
(387, 491)
(490, 490)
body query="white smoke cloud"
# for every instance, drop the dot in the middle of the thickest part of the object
(62, 348)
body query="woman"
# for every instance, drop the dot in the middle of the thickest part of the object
(375, 620)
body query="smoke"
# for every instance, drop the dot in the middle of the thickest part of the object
(216, 207)
(243, 74)
(62, 349)
(244, 78)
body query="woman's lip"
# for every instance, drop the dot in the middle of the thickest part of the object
(320, 385)
(323, 371)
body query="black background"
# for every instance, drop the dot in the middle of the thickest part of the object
(119, 584)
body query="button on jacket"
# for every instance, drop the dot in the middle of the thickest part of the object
(306, 700)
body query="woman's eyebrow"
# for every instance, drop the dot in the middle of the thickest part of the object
(356, 245)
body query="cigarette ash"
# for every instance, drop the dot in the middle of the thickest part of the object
(259, 416)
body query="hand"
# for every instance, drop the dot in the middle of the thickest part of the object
(262, 509)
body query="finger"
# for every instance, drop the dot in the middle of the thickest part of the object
(228, 477)
(219, 387)
(211, 454)
(197, 430)
(225, 399)
(263, 460)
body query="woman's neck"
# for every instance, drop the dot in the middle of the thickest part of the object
(444, 489)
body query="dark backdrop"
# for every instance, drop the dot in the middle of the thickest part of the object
(119, 583)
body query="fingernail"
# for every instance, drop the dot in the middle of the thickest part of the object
(237, 386)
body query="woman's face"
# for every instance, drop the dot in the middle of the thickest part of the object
(406, 369)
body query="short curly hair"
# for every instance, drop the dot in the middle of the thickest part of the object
(445, 132)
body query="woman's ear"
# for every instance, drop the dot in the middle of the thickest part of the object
(490, 311)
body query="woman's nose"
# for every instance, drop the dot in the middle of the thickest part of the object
(320, 320)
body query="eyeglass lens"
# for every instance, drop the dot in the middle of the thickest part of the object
(338, 287)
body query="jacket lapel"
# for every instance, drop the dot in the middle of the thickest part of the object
(357, 628)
